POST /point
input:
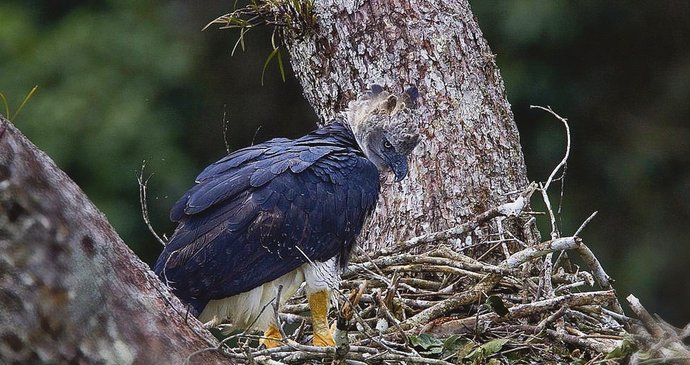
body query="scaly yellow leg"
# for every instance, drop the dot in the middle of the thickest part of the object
(272, 337)
(318, 303)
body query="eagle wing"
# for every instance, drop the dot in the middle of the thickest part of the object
(262, 212)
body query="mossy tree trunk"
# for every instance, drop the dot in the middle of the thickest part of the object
(469, 158)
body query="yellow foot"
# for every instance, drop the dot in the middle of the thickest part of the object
(272, 337)
(324, 339)
(318, 303)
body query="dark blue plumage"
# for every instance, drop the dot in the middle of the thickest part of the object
(254, 215)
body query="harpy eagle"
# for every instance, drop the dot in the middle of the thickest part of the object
(282, 213)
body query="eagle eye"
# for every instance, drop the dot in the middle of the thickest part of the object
(387, 145)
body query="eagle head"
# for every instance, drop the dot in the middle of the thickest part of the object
(384, 127)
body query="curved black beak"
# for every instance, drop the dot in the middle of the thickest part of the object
(399, 167)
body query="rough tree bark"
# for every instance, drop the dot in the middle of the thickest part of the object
(70, 290)
(469, 158)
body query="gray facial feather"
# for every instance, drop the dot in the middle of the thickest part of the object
(379, 110)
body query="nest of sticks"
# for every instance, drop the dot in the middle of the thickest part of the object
(526, 301)
(439, 306)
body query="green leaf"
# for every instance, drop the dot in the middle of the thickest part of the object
(493, 346)
(487, 349)
(13, 116)
(26, 99)
(434, 351)
(7, 106)
(465, 349)
(425, 341)
(452, 344)
(240, 41)
(623, 350)
(281, 67)
(268, 60)
(496, 304)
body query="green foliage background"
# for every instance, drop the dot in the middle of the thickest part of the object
(125, 81)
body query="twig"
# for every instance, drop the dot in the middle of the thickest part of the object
(142, 202)
(528, 310)
(647, 320)
(218, 347)
(440, 257)
(276, 311)
(389, 316)
(346, 313)
(250, 357)
(618, 316)
(373, 264)
(546, 286)
(551, 318)
(569, 339)
(568, 287)
(340, 354)
(256, 132)
(426, 268)
(446, 306)
(584, 224)
(509, 209)
(297, 353)
(350, 305)
(567, 148)
(601, 277)
(529, 253)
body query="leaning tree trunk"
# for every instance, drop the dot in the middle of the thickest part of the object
(70, 290)
(469, 157)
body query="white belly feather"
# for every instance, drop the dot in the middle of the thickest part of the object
(254, 307)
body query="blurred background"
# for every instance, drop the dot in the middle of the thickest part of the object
(120, 82)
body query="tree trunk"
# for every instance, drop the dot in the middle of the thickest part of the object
(469, 158)
(70, 290)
